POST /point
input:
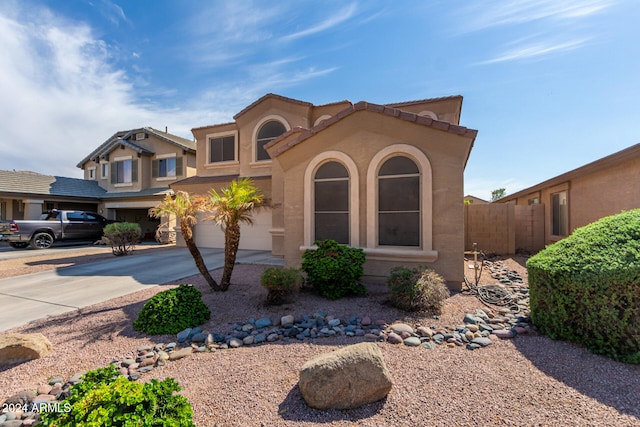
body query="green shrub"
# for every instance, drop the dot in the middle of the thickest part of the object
(122, 236)
(105, 398)
(171, 311)
(334, 270)
(417, 289)
(586, 287)
(281, 283)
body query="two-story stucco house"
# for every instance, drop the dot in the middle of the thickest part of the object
(135, 168)
(385, 178)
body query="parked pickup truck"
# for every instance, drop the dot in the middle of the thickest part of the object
(52, 226)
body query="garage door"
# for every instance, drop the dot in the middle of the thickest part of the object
(209, 235)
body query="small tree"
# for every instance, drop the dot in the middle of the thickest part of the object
(185, 207)
(232, 206)
(498, 194)
(122, 236)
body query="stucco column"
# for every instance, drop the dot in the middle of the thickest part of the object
(32, 208)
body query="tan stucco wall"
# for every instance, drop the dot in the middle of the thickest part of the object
(605, 192)
(361, 136)
(591, 195)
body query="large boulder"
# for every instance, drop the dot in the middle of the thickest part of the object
(345, 378)
(18, 348)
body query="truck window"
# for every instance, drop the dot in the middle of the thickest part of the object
(75, 216)
(50, 216)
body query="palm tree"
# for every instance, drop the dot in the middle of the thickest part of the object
(185, 207)
(232, 206)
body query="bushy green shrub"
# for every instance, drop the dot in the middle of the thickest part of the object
(171, 311)
(122, 236)
(417, 289)
(334, 270)
(105, 398)
(586, 287)
(281, 283)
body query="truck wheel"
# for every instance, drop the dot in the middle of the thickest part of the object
(18, 245)
(41, 241)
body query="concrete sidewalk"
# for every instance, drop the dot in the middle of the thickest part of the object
(24, 299)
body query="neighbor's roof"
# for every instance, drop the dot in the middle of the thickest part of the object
(32, 183)
(120, 138)
(303, 134)
(216, 178)
(595, 166)
(163, 191)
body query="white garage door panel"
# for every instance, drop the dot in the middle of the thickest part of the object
(209, 235)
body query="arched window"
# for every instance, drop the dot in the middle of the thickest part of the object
(267, 133)
(399, 203)
(331, 203)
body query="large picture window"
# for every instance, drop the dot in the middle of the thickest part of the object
(331, 207)
(222, 149)
(399, 203)
(267, 133)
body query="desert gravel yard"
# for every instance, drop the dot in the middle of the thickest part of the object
(528, 380)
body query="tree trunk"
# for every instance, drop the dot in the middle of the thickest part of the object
(231, 243)
(202, 268)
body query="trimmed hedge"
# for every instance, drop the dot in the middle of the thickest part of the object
(586, 287)
(334, 270)
(171, 311)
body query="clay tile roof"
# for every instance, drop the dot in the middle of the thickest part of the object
(376, 108)
(272, 95)
(217, 178)
(422, 101)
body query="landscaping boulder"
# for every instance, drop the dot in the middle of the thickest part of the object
(345, 378)
(18, 348)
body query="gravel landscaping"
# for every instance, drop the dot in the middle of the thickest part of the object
(524, 380)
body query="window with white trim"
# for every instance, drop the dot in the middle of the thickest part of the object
(267, 133)
(331, 203)
(222, 149)
(166, 167)
(399, 215)
(124, 171)
(104, 170)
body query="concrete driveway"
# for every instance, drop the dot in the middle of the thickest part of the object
(24, 299)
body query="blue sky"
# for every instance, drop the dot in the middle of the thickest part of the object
(550, 85)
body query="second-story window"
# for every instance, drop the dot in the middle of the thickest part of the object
(267, 133)
(166, 168)
(124, 172)
(222, 149)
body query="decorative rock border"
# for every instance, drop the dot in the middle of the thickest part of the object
(477, 330)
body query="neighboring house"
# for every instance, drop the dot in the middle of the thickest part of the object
(583, 195)
(135, 168)
(473, 200)
(385, 178)
(25, 194)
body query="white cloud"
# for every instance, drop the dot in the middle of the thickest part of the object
(338, 18)
(61, 98)
(536, 50)
(514, 12)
